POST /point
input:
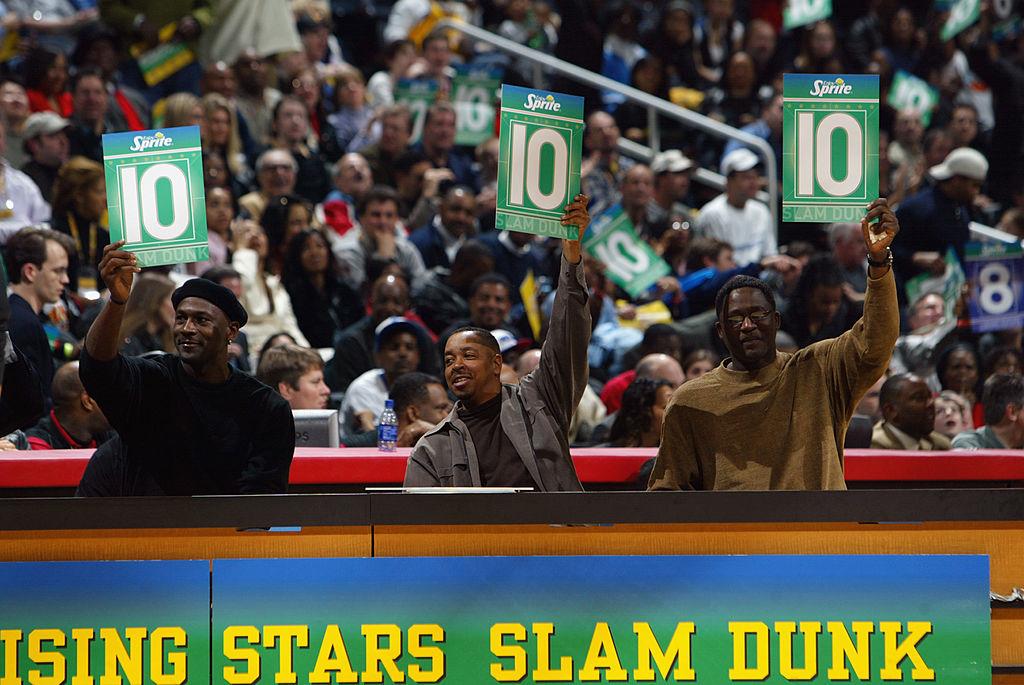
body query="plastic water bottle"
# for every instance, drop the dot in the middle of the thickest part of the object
(387, 429)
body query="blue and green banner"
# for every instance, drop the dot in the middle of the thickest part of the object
(630, 619)
(829, 146)
(768, 619)
(105, 622)
(541, 152)
(155, 194)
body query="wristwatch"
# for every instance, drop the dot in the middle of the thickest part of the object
(885, 262)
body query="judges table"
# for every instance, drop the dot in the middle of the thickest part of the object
(315, 469)
(924, 521)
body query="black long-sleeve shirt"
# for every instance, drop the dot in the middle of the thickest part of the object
(190, 437)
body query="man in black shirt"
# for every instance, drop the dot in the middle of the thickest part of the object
(189, 423)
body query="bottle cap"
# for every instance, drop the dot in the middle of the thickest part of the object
(389, 403)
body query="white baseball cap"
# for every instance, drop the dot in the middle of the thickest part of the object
(740, 159)
(963, 161)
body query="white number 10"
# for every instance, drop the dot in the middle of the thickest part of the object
(524, 167)
(145, 212)
(814, 154)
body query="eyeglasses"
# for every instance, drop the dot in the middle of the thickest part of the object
(755, 318)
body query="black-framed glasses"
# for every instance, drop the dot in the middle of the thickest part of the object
(756, 318)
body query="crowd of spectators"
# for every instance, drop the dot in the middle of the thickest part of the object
(342, 228)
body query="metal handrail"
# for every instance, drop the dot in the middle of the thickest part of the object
(653, 104)
(983, 232)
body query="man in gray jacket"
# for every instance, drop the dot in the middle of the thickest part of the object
(507, 435)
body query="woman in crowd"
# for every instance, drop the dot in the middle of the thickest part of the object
(399, 55)
(1002, 359)
(284, 218)
(149, 316)
(959, 370)
(819, 51)
(183, 109)
(638, 422)
(220, 210)
(307, 85)
(46, 76)
(80, 210)
(264, 297)
(352, 111)
(322, 302)
(291, 132)
(219, 133)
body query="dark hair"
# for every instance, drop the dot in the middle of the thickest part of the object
(657, 338)
(378, 194)
(492, 277)
(410, 158)
(700, 354)
(943, 358)
(741, 281)
(285, 99)
(274, 219)
(483, 336)
(35, 65)
(411, 388)
(220, 273)
(392, 49)
(892, 388)
(267, 343)
(82, 73)
(990, 360)
(292, 268)
(701, 247)
(437, 107)
(28, 246)
(634, 417)
(821, 270)
(999, 391)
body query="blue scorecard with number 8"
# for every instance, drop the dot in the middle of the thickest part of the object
(155, 195)
(829, 146)
(996, 274)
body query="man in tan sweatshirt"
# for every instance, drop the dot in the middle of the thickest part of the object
(768, 420)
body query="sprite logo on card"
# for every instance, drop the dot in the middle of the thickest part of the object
(155, 195)
(539, 161)
(830, 146)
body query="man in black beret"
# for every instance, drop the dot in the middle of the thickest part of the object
(188, 423)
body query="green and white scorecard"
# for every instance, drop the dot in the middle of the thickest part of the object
(539, 162)
(418, 95)
(628, 260)
(155, 194)
(829, 147)
(802, 12)
(473, 94)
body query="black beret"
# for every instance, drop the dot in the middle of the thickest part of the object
(215, 293)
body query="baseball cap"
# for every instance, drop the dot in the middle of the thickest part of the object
(394, 325)
(507, 341)
(740, 159)
(670, 161)
(963, 161)
(43, 123)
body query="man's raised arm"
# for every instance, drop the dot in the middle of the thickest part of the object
(117, 269)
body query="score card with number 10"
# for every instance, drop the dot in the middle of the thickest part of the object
(829, 146)
(155, 195)
(541, 152)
